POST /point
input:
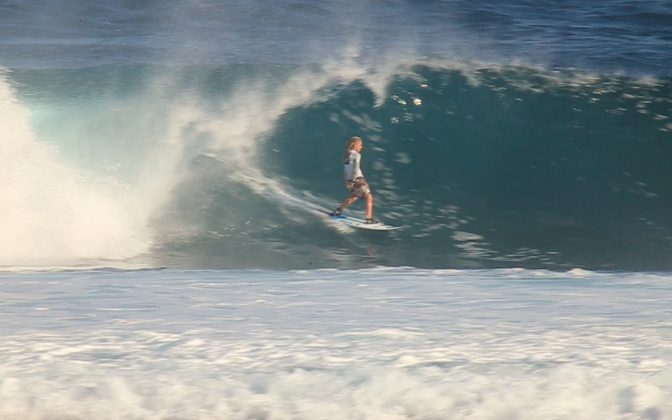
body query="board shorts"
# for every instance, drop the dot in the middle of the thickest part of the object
(358, 188)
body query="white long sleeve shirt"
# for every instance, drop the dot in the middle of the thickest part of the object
(352, 170)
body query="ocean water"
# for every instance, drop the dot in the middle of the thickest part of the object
(162, 161)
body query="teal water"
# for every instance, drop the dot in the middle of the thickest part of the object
(516, 133)
(486, 166)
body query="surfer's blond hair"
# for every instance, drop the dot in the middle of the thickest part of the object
(349, 145)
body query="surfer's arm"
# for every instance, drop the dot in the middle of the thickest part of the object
(357, 171)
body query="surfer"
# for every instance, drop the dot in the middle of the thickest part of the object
(355, 182)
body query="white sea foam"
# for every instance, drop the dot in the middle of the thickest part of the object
(329, 344)
(50, 212)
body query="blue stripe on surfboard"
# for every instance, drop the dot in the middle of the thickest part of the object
(358, 223)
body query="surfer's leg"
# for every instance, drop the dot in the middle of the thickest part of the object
(369, 206)
(343, 205)
(347, 202)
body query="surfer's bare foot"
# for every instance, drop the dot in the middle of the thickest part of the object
(336, 212)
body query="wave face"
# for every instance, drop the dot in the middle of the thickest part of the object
(219, 166)
(497, 134)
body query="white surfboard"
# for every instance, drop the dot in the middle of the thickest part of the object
(358, 223)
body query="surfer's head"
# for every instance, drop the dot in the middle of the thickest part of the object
(355, 143)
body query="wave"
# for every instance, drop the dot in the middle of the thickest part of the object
(220, 166)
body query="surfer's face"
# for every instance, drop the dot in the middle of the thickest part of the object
(357, 147)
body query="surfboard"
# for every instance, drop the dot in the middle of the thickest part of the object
(358, 223)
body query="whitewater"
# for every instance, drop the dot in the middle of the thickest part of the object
(387, 343)
(161, 257)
